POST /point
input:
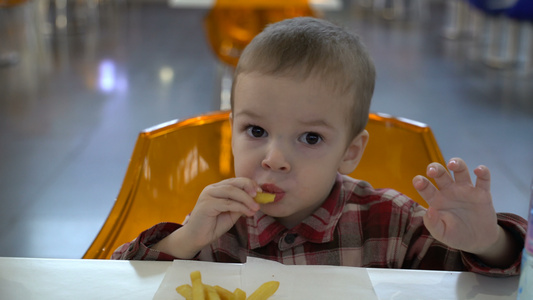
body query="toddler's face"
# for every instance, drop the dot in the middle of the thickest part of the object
(291, 137)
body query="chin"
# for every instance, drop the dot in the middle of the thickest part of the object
(275, 213)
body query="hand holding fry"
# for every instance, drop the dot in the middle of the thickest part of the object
(218, 208)
(220, 205)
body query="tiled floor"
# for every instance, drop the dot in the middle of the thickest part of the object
(71, 109)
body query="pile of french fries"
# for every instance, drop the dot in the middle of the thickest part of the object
(200, 291)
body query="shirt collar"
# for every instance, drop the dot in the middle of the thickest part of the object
(317, 228)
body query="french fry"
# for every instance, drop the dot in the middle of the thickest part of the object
(263, 198)
(185, 290)
(211, 292)
(239, 294)
(223, 293)
(266, 290)
(201, 291)
(197, 286)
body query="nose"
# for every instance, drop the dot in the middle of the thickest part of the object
(276, 159)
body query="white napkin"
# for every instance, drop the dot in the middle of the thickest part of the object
(296, 282)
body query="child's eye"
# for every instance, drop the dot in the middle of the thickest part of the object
(256, 131)
(311, 138)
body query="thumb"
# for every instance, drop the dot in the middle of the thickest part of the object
(433, 223)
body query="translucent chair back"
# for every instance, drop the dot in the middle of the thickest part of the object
(173, 162)
(11, 3)
(232, 24)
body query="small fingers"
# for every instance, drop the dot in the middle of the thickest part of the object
(230, 205)
(439, 173)
(462, 174)
(231, 195)
(483, 177)
(234, 195)
(245, 184)
(460, 171)
(425, 188)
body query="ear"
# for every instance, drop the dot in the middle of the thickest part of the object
(353, 153)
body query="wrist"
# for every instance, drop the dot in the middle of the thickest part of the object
(178, 244)
(502, 253)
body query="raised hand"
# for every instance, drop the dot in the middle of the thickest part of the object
(460, 214)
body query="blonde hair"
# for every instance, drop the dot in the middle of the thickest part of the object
(303, 47)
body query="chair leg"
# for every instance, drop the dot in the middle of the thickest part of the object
(504, 43)
(477, 21)
(8, 56)
(457, 28)
(494, 42)
(366, 4)
(399, 9)
(513, 42)
(61, 19)
(394, 9)
(224, 80)
(527, 39)
(68, 16)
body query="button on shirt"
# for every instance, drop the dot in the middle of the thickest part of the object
(290, 238)
(355, 226)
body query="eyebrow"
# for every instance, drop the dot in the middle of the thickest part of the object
(312, 123)
(247, 113)
(316, 123)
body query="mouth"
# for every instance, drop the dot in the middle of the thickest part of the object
(273, 189)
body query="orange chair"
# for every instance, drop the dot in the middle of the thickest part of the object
(173, 162)
(232, 24)
(11, 3)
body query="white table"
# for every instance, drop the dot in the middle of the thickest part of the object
(30, 278)
(319, 4)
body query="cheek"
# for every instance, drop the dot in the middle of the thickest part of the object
(315, 186)
(243, 162)
(320, 174)
(240, 168)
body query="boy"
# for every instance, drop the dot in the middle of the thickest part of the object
(300, 102)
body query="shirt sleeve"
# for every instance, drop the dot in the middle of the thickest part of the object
(434, 255)
(139, 248)
(517, 227)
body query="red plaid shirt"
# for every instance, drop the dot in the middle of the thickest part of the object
(356, 226)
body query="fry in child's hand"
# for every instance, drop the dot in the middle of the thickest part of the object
(266, 290)
(263, 198)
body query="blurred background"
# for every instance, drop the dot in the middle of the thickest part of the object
(79, 79)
